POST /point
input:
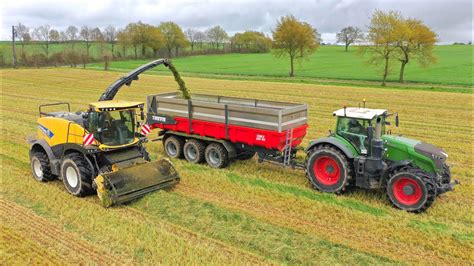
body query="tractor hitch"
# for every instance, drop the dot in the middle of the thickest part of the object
(443, 188)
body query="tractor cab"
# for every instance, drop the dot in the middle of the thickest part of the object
(355, 125)
(114, 123)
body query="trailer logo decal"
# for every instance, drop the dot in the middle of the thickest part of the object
(46, 131)
(260, 137)
(159, 118)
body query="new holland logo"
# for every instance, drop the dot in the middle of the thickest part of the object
(46, 131)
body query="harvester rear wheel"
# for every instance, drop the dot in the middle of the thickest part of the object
(173, 147)
(194, 151)
(216, 156)
(40, 167)
(411, 189)
(76, 175)
(328, 169)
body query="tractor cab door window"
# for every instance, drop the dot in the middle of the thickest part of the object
(355, 131)
(113, 128)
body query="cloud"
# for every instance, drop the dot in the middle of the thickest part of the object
(452, 20)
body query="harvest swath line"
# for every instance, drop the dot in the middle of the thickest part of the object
(204, 220)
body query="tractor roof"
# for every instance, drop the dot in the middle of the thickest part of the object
(115, 105)
(363, 113)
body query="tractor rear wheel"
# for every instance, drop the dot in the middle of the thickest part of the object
(411, 189)
(328, 169)
(173, 147)
(216, 155)
(40, 167)
(194, 151)
(76, 175)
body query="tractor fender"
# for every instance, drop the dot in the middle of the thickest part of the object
(53, 159)
(391, 168)
(331, 141)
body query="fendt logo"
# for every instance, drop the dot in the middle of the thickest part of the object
(260, 137)
(46, 131)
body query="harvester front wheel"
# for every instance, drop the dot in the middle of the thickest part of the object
(216, 156)
(174, 147)
(76, 175)
(194, 151)
(40, 167)
(411, 189)
(328, 169)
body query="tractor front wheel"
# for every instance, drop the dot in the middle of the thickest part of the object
(76, 175)
(40, 167)
(411, 189)
(328, 169)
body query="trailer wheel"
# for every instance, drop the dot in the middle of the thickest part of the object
(76, 175)
(216, 156)
(411, 189)
(40, 167)
(328, 169)
(194, 151)
(173, 147)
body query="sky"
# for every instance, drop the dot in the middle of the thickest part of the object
(452, 20)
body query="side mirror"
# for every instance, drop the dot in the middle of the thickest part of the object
(142, 114)
(397, 121)
(370, 132)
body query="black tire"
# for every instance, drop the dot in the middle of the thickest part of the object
(76, 175)
(245, 155)
(40, 167)
(216, 155)
(194, 151)
(411, 189)
(446, 179)
(328, 169)
(173, 146)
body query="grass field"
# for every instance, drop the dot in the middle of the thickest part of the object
(249, 213)
(454, 66)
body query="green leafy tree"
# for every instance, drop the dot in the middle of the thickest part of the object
(173, 36)
(415, 41)
(294, 39)
(349, 35)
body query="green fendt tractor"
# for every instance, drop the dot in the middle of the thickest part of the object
(360, 152)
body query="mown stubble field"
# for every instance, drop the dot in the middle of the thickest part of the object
(247, 213)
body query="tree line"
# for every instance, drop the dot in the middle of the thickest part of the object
(167, 39)
(390, 38)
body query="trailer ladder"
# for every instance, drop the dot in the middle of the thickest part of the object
(287, 150)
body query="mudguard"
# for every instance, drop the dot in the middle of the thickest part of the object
(333, 141)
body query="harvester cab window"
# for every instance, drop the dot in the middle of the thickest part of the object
(355, 131)
(113, 128)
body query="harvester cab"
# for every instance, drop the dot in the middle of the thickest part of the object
(100, 149)
(363, 153)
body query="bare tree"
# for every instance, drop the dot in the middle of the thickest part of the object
(71, 33)
(23, 35)
(86, 35)
(41, 34)
(54, 36)
(349, 35)
(111, 36)
(200, 38)
(98, 37)
(192, 36)
(216, 35)
(63, 37)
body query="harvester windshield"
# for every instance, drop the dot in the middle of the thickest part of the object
(113, 128)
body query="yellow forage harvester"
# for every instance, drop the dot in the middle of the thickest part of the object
(100, 149)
